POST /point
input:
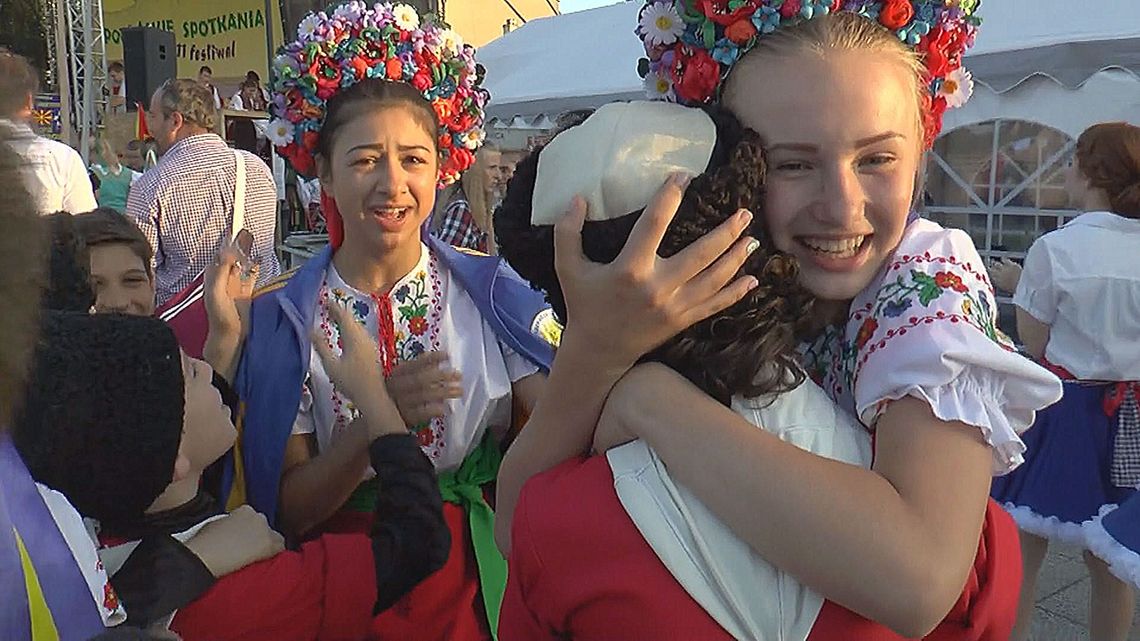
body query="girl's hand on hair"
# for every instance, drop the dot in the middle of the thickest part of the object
(358, 375)
(624, 309)
(421, 387)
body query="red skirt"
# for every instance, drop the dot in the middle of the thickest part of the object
(446, 606)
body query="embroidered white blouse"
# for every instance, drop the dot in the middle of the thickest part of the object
(1082, 281)
(429, 312)
(927, 327)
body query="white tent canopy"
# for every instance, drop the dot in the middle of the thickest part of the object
(1049, 61)
(556, 64)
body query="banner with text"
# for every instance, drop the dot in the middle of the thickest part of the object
(227, 35)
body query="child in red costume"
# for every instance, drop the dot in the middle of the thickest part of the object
(138, 413)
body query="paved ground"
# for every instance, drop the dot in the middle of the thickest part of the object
(1063, 598)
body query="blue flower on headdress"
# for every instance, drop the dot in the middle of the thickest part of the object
(692, 35)
(408, 59)
(725, 52)
(925, 12)
(446, 88)
(766, 20)
(914, 32)
(814, 9)
(866, 8)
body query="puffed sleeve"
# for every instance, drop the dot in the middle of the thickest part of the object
(929, 330)
(1036, 291)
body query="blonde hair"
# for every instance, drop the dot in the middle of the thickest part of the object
(187, 97)
(475, 190)
(840, 31)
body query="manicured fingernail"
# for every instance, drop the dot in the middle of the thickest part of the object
(753, 245)
(753, 283)
(681, 179)
(745, 216)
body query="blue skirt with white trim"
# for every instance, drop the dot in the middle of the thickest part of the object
(1065, 479)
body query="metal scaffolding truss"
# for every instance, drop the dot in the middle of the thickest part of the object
(84, 79)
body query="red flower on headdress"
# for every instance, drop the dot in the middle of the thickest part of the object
(327, 76)
(301, 160)
(394, 68)
(790, 8)
(896, 14)
(444, 110)
(699, 75)
(462, 158)
(719, 12)
(741, 31)
(933, 109)
(941, 48)
(422, 80)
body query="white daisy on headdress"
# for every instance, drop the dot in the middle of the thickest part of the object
(406, 17)
(661, 24)
(450, 41)
(309, 26)
(472, 139)
(957, 87)
(280, 132)
(658, 86)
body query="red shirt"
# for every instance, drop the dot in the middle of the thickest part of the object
(579, 569)
(323, 592)
(446, 606)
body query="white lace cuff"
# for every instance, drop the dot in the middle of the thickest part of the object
(976, 397)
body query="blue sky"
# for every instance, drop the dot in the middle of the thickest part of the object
(569, 6)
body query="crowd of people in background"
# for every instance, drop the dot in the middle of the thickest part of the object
(736, 389)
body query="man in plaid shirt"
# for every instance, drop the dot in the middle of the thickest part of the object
(184, 205)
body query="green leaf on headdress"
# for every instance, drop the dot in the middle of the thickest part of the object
(708, 33)
(733, 5)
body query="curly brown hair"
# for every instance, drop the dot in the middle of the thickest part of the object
(748, 349)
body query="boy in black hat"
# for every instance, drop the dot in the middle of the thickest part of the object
(123, 423)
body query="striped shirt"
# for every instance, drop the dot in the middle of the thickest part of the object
(184, 205)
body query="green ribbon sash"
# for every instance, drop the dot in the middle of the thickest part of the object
(464, 487)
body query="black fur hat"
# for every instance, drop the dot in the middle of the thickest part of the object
(103, 415)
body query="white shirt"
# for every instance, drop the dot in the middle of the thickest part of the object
(54, 173)
(749, 597)
(449, 322)
(1083, 281)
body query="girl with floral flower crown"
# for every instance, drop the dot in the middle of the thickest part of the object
(385, 110)
(845, 95)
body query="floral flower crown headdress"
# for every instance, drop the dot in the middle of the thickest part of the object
(693, 44)
(334, 52)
